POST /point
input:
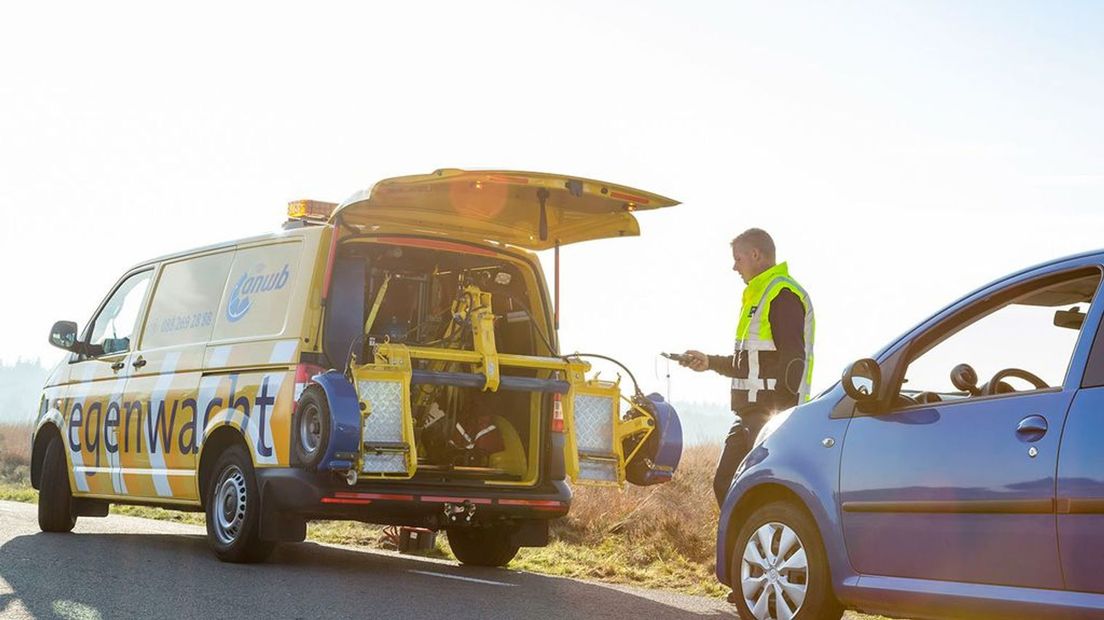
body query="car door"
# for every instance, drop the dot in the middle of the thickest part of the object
(93, 408)
(1080, 500)
(949, 484)
(165, 377)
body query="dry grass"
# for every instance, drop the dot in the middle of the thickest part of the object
(661, 536)
(15, 453)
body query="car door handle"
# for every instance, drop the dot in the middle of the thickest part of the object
(117, 366)
(138, 363)
(1031, 428)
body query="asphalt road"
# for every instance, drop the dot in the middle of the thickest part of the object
(125, 567)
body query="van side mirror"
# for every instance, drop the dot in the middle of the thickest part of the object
(862, 380)
(64, 335)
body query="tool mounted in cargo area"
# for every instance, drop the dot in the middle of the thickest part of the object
(398, 434)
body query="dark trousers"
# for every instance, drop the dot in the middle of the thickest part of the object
(738, 443)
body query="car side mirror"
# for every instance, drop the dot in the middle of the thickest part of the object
(862, 380)
(63, 335)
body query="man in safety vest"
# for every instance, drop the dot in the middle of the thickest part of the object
(773, 360)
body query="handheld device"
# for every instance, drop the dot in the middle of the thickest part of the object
(678, 357)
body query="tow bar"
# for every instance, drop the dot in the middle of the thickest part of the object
(455, 512)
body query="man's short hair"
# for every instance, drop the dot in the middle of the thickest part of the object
(756, 238)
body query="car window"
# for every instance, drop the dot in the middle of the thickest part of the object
(186, 300)
(114, 326)
(1036, 332)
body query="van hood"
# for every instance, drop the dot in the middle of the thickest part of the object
(532, 210)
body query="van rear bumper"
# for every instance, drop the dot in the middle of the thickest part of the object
(309, 495)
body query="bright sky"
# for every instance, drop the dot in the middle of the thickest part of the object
(900, 153)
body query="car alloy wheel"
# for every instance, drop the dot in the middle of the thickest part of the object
(774, 572)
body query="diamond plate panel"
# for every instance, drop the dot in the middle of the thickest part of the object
(591, 469)
(386, 463)
(384, 398)
(594, 424)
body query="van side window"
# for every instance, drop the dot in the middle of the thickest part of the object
(186, 300)
(113, 328)
(258, 292)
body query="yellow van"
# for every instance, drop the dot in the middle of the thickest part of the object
(391, 360)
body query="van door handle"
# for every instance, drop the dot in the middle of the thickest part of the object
(117, 366)
(1031, 428)
(138, 363)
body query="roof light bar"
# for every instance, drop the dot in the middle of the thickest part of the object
(310, 209)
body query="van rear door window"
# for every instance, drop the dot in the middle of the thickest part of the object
(258, 292)
(186, 301)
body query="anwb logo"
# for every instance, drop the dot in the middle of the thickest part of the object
(241, 299)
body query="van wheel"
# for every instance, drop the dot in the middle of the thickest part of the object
(234, 510)
(55, 499)
(779, 567)
(311, 432)
(482, 546)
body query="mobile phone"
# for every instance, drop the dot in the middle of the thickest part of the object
(678, 357)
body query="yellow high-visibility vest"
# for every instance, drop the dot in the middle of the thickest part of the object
(754, 334)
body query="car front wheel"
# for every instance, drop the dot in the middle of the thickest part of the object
(779, 568)
(55, 500)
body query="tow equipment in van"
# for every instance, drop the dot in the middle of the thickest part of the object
(392, 359)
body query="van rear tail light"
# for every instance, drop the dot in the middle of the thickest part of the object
(304, 375)
(557, 414)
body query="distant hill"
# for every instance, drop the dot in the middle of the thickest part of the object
(20, 388)
(703, 422)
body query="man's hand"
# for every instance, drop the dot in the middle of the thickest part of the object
(697, 360)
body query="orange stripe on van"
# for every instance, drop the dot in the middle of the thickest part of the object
(507, 179)
(534, 503)
(623, 196)
(379, 496)
(341, 500)
(455, 500)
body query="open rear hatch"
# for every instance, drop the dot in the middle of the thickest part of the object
(532, 210)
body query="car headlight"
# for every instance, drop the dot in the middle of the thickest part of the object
(773, 424)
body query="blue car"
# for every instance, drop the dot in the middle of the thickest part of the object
(958, 472)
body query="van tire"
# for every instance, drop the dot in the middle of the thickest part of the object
(234, 510)
(819, 601)
(55, 498)
(311, 428)
(482, 546)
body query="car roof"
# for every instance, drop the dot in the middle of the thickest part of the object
(1043, 265)
(279, 234)
(1007, 279)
